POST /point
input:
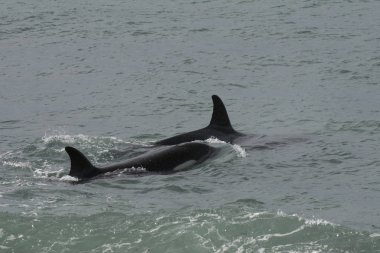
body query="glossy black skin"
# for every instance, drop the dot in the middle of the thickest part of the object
(165, 159)
(220, 127)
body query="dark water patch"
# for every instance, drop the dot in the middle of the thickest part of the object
(10, 124)
(354, 126)
(167, 187)
(200, 30)
(142, 33)
(304, 32)
(247, 203)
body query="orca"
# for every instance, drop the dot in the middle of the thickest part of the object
(220, 127)
(164, 159)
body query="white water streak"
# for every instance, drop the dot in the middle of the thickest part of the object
(238, 149)
(68, 178)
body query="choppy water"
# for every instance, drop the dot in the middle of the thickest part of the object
(109, 77)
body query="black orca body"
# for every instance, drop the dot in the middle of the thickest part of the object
(165, 159)
(220, 127)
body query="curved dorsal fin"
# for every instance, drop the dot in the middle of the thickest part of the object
(219, 114)
(81, 167)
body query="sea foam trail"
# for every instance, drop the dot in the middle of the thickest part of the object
(82, 138)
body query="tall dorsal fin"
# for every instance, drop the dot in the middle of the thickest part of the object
(81, 167)
(219, 114)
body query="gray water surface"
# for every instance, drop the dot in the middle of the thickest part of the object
(110, 77)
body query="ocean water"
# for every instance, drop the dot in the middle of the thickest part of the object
(109, 77)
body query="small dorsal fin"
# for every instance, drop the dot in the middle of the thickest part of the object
(81, 167)
(219, 114)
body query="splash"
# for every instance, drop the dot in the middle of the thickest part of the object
(308, 221)
(18, 164)
(64, 138)
(92, 140)
(318, 222)
(214, 140)
(133, 170)
(70, 139)
(238, 149)
(68, 178)
(46, 173)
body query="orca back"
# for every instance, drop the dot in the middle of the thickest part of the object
(220, 127)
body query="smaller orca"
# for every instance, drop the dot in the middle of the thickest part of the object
(220, 127)
(165, 159)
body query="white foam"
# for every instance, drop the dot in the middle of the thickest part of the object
(68, 178)
(108, 140)
(47, 170)
(11, 238)
(318, 222)
(132, 170)
(254, 215)
(308, 222)
(64, 138)
(3, 155)
(281, 213)
(75, 138)
(269, 236)
(232, 245)
(215, 140)
(18, 164)
(239, 150)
